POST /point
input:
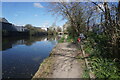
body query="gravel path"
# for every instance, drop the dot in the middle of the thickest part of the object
(62, 63)
(66, 64)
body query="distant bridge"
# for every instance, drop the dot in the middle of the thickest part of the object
(61, 33)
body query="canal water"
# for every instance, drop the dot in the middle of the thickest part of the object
(21, 57)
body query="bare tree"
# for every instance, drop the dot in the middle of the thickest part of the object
(72, 12)
(111, 24)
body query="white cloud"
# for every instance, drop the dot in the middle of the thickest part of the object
(38, 5)
(35, 15)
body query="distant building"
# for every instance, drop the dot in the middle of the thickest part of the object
(20, 28)
(44, 28)
(5, 25)
(3, 20)
(11, 27)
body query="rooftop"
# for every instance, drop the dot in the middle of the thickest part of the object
(3, 20)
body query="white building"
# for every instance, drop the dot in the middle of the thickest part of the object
(44, 28)
(20, 28)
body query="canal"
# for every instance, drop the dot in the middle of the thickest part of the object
(21, 57)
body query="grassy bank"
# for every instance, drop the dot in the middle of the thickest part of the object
(67, 38)
(61, 40)
(102, 63)
(46, 67)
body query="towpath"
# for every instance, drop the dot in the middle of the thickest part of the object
(65, 64)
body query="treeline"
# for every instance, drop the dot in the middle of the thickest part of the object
(35, 31)
(29, 30)
(100, 22)
(54, 30)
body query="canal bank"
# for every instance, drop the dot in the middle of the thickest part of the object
(21, 56)
(63, 62)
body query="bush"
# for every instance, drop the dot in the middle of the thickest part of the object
(61, 40)
(102, 60)
(104, 68)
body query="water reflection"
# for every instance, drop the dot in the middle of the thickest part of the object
(9, 42)
(22, 56)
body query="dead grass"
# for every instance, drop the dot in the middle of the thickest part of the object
(45, 68)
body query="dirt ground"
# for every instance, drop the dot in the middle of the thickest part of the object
(62, 63)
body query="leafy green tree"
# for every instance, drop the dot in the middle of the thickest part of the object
(33, 31)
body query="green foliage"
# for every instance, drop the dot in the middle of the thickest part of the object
(85, 73)
(33, 31)
(103, 47)
(52, 31)
(69, 39)
(61, 40)
(105, 68)
(102, 61)
(75, 39)
(71, 31)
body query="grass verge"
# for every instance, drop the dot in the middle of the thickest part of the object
(45, 69)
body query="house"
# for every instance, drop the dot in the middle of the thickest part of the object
(20, 28)
(44, 28)
(11, 27)
(3, 20)
(5, 25)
